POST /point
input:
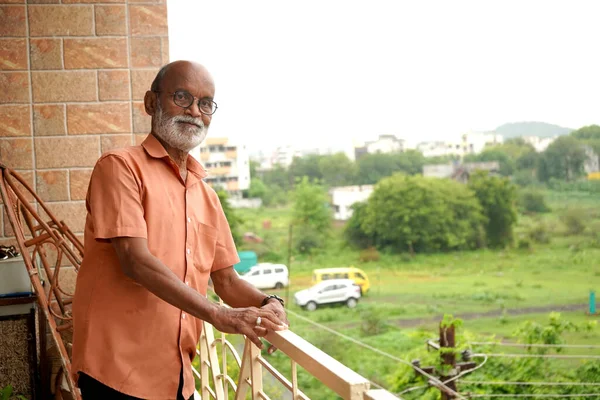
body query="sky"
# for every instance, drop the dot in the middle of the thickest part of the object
(327, 73)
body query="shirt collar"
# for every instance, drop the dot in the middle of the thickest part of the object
(156, 150)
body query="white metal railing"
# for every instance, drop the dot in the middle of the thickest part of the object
(216, 381)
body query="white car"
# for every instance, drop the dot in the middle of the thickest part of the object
(330, 291)
(267, 276)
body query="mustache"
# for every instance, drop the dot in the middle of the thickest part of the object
(190, 120)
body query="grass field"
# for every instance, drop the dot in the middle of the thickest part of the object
(409, 294)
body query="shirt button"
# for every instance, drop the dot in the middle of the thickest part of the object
(189, 219)
(188, 251)
(183, 315)
(187, 283)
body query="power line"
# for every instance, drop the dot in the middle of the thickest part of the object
(565, 356)
(574, 346)
(540, 395)
(502, 383)
(434, 381)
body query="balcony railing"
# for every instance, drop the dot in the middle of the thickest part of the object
(216, 380)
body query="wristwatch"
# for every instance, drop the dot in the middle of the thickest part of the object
(272, 296)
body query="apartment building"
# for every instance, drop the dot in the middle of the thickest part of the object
(227, 164)
(383, 144)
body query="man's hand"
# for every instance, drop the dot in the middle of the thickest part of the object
(243, 321)
(275, 306)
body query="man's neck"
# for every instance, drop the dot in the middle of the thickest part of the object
(178, 156)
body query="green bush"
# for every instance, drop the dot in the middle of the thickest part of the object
(368, 255)
(497, 197)
(575, 221)
(532, 201)
(539, 233)
(416, 214)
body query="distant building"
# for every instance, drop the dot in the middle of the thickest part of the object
(459, 172)
(343, 197)
(468, 143)
(384, 144)
(227, 164)
(540, 144)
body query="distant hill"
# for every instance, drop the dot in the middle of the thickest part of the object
(541, 129)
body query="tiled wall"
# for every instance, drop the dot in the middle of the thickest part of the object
(73, 74)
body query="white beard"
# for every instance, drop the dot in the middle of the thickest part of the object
(175, 134)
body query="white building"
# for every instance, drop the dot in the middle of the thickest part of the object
(539, 143)
(467, 143)
(227, 164)
(344, 197)
(384, 144)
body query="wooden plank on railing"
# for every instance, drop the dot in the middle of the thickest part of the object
(341, 379)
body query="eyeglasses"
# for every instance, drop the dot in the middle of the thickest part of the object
(185, 99)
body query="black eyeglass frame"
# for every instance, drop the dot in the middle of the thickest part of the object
(194, 99)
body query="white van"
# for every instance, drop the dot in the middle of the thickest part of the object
(267, 276)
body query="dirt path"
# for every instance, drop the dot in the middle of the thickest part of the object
(416, 322)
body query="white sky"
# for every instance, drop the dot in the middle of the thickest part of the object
(320, 73)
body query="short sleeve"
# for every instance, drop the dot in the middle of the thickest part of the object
(114, 200)
(225, 254)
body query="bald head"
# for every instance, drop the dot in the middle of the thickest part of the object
(183, 69)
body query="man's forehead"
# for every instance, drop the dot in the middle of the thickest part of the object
(190, 77)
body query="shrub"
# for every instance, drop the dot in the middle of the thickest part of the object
(370, 254)
(416, 214)
(532, 201)
(539, 233)
(373, 322)
(574, 220)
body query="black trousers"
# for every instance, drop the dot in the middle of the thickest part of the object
(91, 389)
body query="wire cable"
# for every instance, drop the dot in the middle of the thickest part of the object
(502, 383)
(566, 346)
(435, 381)
(540, 395)
(563, 356)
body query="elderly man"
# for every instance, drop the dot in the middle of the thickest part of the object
(155, 233)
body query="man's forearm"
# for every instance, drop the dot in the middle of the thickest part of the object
(239, 293)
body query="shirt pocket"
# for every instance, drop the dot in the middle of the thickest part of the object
(206, 245)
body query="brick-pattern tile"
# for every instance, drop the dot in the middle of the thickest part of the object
(14, 87)
(17, 153)
(13, 1)
(165, 49)
(148, 20)
(43, 1)
(95, 53)
(111, 20)
(52, 185)
(13, 54)
(141, 80)
(111, 142)
(98, 118)
(12, 20)
(113, 85)
(67, 152)
(72, 213)
(92, 1)
(15, 120)
(146, 52)
(64, 86)
(142, 123)
(61, 20)
(49, 120)
(45, 53)
(79, 180)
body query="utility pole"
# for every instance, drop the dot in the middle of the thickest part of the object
(446, 345)
(289, 265)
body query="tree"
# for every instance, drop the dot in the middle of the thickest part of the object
(306, 166)
(416, 214)
(337, 170)
(373, 167)
(353, 231)
(311, 214)
(589, 135)
(563, 159)
(497, 196)
(257, 189)
(234, 220)
(496, 153)
(278, 176)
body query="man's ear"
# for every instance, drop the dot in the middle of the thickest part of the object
(150, 102)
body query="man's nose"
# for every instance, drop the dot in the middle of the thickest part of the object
(194, 110)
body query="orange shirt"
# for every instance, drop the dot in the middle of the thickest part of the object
(125, 336)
